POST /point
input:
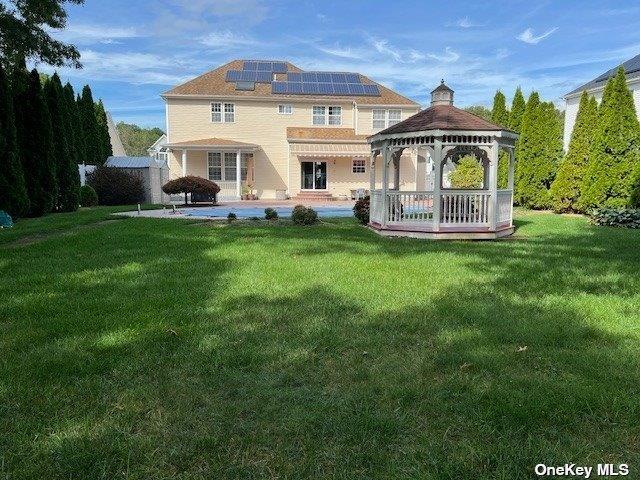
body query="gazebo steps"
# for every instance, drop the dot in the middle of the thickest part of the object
(314, 197)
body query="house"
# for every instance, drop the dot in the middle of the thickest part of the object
(153, 172)
(596, 87)
(288, 132)
(159, 149)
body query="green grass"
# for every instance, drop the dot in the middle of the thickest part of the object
(152, 349)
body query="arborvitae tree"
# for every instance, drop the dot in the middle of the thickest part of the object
(90, 130)
(517, 111)
(13, 191)
(538, 152)
(78, 137)
(500, 116)
(565, 191)
(103, 131)
(615, 152)
(67, 175)
(35, 141)
(499, 113)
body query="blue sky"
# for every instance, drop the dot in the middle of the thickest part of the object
(134, 50)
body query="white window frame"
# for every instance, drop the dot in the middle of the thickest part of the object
(360, 167)
(285, 109)
(328, 115)
(227, 157)
(225, 112)
(209, 166)
(386, 120)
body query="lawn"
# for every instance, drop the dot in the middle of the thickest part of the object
(152, 349)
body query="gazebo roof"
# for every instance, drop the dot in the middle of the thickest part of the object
(442, 117)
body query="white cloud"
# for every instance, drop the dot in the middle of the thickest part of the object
(528, 37)
(465, 22)
(87, 34)
(399, 55)
(502, 53)
(228, 40)
(343, 52)
(449, 56)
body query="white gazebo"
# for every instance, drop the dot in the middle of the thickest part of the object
(446, 134)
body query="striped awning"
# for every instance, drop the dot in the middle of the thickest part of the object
(331, 149)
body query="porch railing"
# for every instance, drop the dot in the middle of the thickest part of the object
(227, 189)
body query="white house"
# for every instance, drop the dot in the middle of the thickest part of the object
(595, 87)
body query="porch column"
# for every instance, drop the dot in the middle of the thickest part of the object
(184, 163)
(385, 183)
(437, 182)
(493, 185)
(238, 175)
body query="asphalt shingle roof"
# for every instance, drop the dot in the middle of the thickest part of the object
(631, 68)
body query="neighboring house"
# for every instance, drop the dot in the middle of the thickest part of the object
(595, 87)
(288, 132)
(159, 149)
(154, 174)
(114, 137)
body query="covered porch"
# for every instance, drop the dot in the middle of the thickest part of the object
(228, 163)
(446, 135)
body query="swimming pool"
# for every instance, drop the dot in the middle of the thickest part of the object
(249, 212)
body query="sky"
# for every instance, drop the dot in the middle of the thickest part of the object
(133, 50)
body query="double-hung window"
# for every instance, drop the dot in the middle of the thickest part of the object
(223, 112)
(215, 166)
(229, 166)
(385, 118)
(358, 165)
(222, 166)
(285, 109)
(323, 115)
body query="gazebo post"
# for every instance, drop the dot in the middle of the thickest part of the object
(372, 173)
(493, 185)
(512, 165)
(396, 169)
(437, 182)
(385, 181)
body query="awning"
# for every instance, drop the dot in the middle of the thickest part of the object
(212, 143)
(330, 149)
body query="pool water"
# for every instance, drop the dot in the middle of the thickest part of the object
(248, 212)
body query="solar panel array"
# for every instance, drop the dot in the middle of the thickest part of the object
(249, 76)
(323, 77)
(259, 66)
(324, 88)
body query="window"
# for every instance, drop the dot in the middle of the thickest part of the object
(230, 166)
(215, 166)
(229, 113)
(358, 165)
(319, 115)
(385, 118)
(285, 109)
(327, 115)
(217, 110)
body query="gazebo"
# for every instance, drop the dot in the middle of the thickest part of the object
(445, 135)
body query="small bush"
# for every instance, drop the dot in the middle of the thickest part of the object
(115, 186)
(196, 186)
(270, 214)
(88, 196)
(231, 217)
(254, 219)
(302, 215)
(361, 210)
(616, 217)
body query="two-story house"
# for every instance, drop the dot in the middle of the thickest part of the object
(281, 131)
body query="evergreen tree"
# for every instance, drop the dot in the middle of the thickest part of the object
(615, 152)
(35, 141)
(517, 111)
(67, 176)
(499, 113)
(565, 191)
(500, 116)
(90, 130)
(539, 151)
(13, 191)
(78, 137)
(103, 131)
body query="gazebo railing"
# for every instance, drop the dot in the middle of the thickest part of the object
(409, 206)
(465, 207)
(505, 206)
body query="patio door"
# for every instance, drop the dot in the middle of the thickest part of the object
(314, 175)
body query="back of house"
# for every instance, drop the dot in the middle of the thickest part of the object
(274, 129)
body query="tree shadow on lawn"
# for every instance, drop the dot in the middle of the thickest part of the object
(205, 381)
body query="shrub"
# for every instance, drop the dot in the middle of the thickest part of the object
(361, 210)
(88, 196)
(231, 217)
(302, 215)
(193, 185)
(616, 217)
(254, 219)
(115, 186)
(270, 214)
(634, 199)
(468, 173)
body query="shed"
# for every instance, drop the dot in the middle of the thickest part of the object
(154, 174)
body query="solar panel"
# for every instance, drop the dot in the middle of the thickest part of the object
(325, 88)
(338, 78)
(294, 87)
(264, 77)
(245, 86)
(323, 77)
(309, 77)
(341, 88)
(371, 90)
(264, 66)
(352, 78)
(294, 77)
(278, 87)
(356, 89)
(250, 66)
(309, 88)
(279, 67)
(249, 76)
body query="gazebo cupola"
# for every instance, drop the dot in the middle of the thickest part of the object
(446, 137)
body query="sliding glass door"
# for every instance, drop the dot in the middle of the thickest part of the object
(314, 175)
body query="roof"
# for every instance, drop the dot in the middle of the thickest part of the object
(129, 162)
(214, 83)
(442, 117)
(114, 137)
(210, 142)
(159, 143)
(441, 87)
(315, 133)
(631, 68)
